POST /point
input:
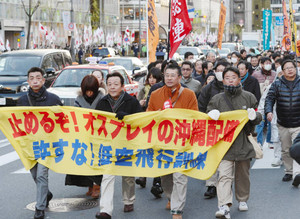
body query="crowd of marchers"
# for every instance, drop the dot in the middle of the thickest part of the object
(267, 85)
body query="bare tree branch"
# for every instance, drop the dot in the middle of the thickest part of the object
(25, 9)
(36, 7)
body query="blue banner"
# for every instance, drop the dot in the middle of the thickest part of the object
(267, 20)
(279, 20)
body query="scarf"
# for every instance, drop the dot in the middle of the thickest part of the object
(244, 78)
(37, 96)
(232, 89)
(115, 104)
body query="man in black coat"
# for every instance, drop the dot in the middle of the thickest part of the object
(38, 96)
(249, 82)
(285, 92)
(119, 102)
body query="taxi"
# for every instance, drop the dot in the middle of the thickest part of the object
(67, 83)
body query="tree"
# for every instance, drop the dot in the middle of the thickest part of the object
(95, 18)
(29, 13)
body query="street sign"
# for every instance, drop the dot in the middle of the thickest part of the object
(71, 26)
(279, 21)
(22, 33)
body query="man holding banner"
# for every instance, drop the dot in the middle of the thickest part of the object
(173, 95)
(121, 103)
(236, 162)
(38, 96)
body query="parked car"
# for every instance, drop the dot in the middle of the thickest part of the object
(195, 50)
(133, 65)
(102, 52)
(67, 84)
(232, 46)
(223, 52)
(15, 65)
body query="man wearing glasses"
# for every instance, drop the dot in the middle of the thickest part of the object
(187, 79)
(285, 92)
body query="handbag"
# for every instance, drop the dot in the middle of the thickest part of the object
(258, 150)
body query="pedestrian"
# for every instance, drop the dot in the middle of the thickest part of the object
(209, 78)
(235, 164)
(88, 97)
(276, 144)
(295, 154)
(37, 95)
(197, 71)
(119, 102)
(213, 88)
(285, 92)
(187, 79)
(265, 76)
(174, 185)
(188, 56)
(235, 58)
(211, 57)
(154, 76)
(206, 66)
(100, 76)
(80, 55)
(249, 83)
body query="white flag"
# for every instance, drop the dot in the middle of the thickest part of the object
(7, 45)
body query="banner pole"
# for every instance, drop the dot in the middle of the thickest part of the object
(168, 45)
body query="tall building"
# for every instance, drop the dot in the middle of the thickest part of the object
(276, 7)
(14, 21)
(133, 14)
(257, 13)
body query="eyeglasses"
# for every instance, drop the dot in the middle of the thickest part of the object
(288, 68)
(186, 69)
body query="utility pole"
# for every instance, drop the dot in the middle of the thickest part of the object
(140, 32)
(72, 33)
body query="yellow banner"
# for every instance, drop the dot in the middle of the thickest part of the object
(222, 18)
(153, 33)
(89, 142)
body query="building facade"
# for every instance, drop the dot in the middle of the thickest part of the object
(14, 21)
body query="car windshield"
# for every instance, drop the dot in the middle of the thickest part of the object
(126, 63)
(100, 52)
(18, 65)
(182, 51)
(229, 46)
(73, 77)
(250, 43)
(224, 51)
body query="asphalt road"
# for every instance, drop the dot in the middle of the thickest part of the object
(270, 197)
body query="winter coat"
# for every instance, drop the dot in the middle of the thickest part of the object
(288, 102)
(241, 148)
(186, 100)
(210, 90)
(80, 101)
(129, 105)
(42, 98)
(251, 84)
(192, 84)
(263, 79)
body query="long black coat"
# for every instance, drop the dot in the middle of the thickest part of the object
(210, 90)
(128, 105)
(251, 84)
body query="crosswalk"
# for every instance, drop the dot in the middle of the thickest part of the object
(10, 157)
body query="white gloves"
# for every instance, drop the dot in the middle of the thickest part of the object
(251, 114)
(214, 114)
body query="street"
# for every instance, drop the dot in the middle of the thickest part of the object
(269, 198)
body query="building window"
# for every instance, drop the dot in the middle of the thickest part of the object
(256, 7)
